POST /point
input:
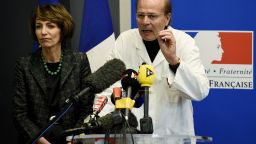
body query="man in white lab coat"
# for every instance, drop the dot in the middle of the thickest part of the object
(180, 75)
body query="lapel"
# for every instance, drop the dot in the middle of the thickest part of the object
(67, 66)
(38, 73)
(37, 70)
(159, 58)
(142, 52)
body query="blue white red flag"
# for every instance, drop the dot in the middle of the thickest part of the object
(97, 37)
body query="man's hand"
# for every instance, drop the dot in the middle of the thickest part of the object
(167, 45)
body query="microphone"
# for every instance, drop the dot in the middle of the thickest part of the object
(146, 78)
(103, 78)
(116, 95)
(100, 103)
(130, 80)
(97, 107)
(130, 85)
(103, 123)
(111, 122)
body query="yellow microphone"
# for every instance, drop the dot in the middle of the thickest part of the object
(124, 103)
(146, 77)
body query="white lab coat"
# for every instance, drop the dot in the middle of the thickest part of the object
(170, 95)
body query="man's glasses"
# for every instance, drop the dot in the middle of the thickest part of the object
(151, 16)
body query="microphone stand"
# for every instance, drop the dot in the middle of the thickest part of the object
(127, 110)
(69, 103)
(146, 124)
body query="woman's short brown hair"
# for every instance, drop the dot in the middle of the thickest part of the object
(55, 13)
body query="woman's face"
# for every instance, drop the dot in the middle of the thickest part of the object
(48, 34)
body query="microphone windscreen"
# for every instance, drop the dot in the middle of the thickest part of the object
(108, 121)
(133, 122)
(105, 122)
(129, 79)
(124, 127)
(114, 122)
(106, 75)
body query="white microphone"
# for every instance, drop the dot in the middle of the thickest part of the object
(99, 104)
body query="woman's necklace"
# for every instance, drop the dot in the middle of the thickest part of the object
(48, 70)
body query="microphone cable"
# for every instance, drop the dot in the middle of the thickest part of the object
(129, 128)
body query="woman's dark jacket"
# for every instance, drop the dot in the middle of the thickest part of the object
(31, 104)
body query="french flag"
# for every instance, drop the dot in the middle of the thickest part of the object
(97, 37)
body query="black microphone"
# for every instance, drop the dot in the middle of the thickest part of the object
(131, 85)
(129, 79)
(102, 124)
(127, 126)
(117, 95)
(103, 78)
(110, 123)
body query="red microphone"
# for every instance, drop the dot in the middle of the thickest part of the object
(116, 95)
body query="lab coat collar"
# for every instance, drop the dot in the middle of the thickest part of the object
(142, 51)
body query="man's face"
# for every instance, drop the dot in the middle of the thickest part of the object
(151, 18)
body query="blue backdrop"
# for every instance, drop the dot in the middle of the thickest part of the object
(229, 116)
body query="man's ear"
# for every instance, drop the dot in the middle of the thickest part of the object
(169, 17)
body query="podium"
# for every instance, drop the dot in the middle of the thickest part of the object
(137, 139)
